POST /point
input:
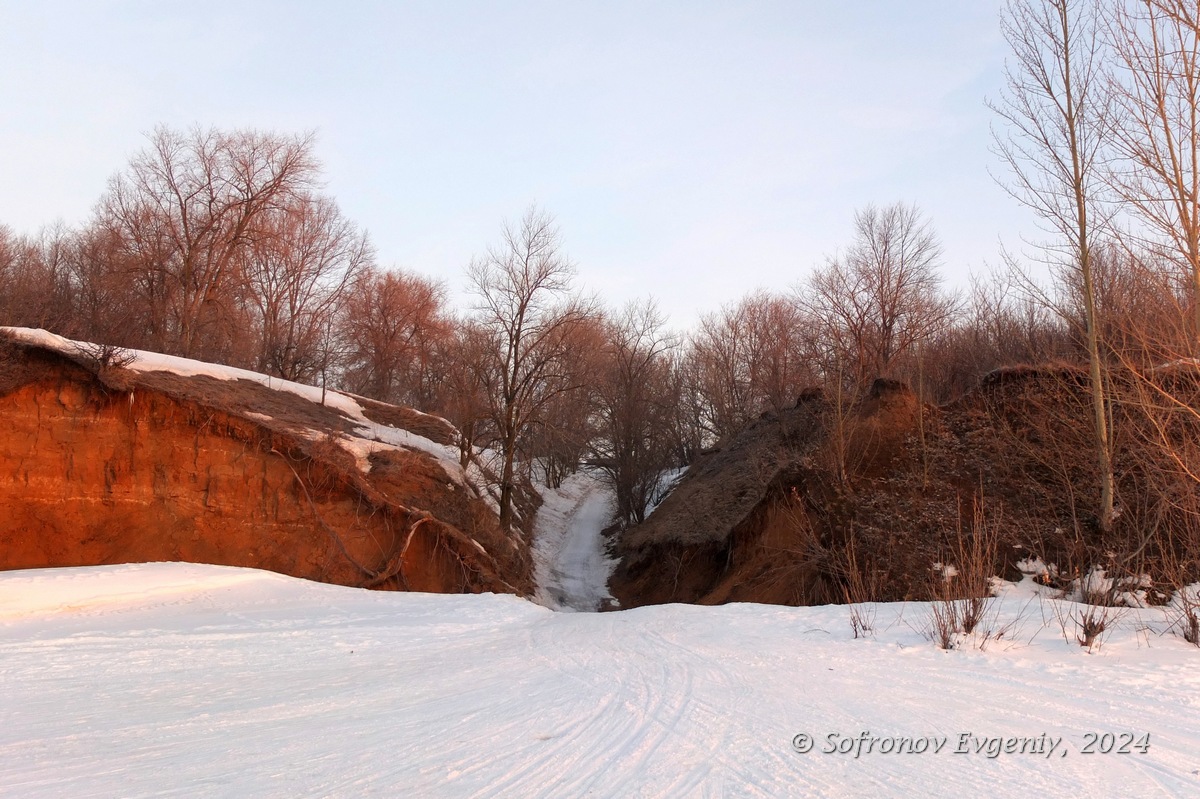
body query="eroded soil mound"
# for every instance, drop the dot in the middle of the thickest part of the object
(881, 489)
(104, 464)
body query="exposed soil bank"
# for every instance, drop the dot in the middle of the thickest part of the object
(107, 465)
(774, 513)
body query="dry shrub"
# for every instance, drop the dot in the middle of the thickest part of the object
(103, 359)
(1185, 602)
(1188, 623)
(862, 587)
(945, 626)
(1092, 623)
(971, 612)
(960, 583)
(1089, 625)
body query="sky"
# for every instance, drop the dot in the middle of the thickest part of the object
(690, 151)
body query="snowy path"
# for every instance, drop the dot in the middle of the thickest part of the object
(571, 567)
(173, 679)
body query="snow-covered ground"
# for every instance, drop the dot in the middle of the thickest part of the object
(185, 680)
(571, 568)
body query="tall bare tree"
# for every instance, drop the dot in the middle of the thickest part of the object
(558, 439)
(101, 297)
(635, 402)
(1157, 90)
(391, 327)
(1055, 111)
(751, 356)
(35, 288)
(529, 315)
(883, 297)
(298, 270)
(719, 372)
(185, 209)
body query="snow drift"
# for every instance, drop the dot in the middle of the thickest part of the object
(175, 679)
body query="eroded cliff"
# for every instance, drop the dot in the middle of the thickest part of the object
(824, 503)
(104, 464)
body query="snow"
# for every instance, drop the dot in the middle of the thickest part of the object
(947, 571)
(571, 569)
(571, 564)
(372, 433)
(175, 679)
(369, 436)
(1035, 567)
(666, 484)
(1177, 364)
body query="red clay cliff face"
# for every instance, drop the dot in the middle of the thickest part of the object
(99, 471)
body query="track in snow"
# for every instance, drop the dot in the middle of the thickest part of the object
(175, 679)
(570, 565)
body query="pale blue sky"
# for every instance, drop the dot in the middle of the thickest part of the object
(691, 151)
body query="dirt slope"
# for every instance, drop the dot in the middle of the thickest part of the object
(771, 515)
(111, 465)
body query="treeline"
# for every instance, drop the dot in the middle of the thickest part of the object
(219, 246)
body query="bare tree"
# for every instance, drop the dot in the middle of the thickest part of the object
(462, 356)
(9, 274)
(1001, 326)
(1157, 90)
(782, 348)
(35, 289)
(185, 209)
(635, 402)
(719, 371)
(881, 299)
(526, 309)
(559, 438)
(751, 356)
(102, 299)
(1155, 399)
(1055, 111)
(690, 424)
(299, 269)
(391, 326)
